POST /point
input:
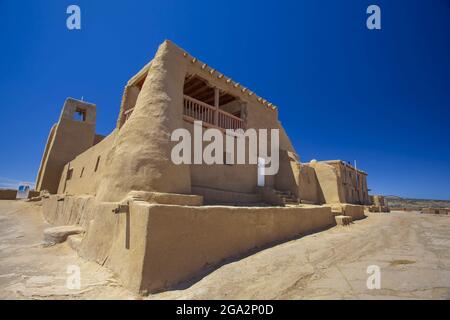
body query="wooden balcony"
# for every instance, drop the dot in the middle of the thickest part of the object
(194, 109)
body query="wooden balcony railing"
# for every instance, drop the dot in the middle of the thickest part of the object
(228, 121)
(199, 110)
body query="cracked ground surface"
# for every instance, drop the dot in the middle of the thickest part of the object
(412, 251)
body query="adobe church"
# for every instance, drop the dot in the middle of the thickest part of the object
(171, 92)
(155, 223)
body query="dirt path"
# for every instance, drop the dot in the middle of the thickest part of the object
(411, 250)
(28, 270)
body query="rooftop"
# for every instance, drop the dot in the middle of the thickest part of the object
(234, 87)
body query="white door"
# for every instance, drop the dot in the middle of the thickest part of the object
(261, 171)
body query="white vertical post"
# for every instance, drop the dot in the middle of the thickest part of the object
(261, 171)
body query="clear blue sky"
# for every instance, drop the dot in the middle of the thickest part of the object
(344, 92)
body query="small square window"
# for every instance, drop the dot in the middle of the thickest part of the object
(79, 115)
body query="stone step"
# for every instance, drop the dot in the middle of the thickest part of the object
(59, 234)
(343, 220)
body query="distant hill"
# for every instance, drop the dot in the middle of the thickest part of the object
(399, 202)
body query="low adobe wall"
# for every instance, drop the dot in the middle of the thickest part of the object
(435, 211)
(375, 208)
(68, 210)
(152, 247)
(352, 210)
(8, 194)
(201, 237)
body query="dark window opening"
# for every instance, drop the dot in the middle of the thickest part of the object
(96, 165)
(69, 174)
(82, 171)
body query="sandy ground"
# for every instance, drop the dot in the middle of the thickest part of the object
(30, 270)
(411, 250)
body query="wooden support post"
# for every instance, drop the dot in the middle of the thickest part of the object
(216, 105)
(242, 115)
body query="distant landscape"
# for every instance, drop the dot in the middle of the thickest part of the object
(399, 202)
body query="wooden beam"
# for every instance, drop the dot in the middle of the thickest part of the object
(202, 91)
(192, 85)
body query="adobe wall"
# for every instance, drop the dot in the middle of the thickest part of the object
(309, 187)
(347, 180)
(242, 178)
(205, 236)
(329, 182)
(377, 200)
(364, 190)
(220, 196)
(378, 209)
(336, 183)
(288, 177)
(435, 211)
(234, 178)
(8, 194)
(85, 178)
(44, 160)
(351, 190)
(135, 244)
(62, 210)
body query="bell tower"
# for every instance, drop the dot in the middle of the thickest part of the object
(73, 134)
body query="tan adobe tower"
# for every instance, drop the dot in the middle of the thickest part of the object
(73, 134)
